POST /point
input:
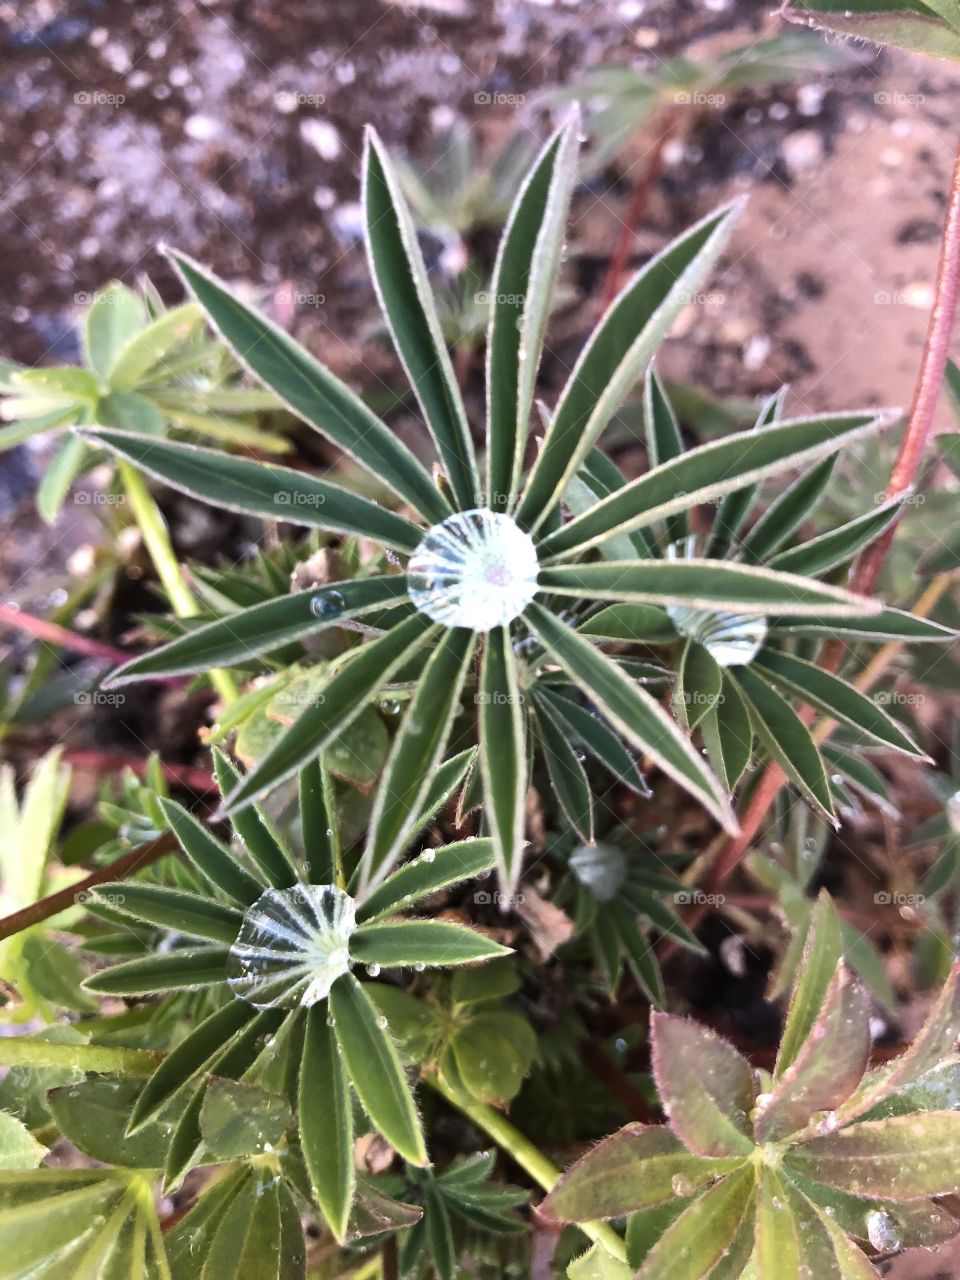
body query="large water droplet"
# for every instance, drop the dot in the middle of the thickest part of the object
(327, 605)
(293, 945)
(953, 811)
(601, 868)
(883, 1231)
(478, 569)
(731, 639)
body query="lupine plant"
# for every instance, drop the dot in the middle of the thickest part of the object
(789, 1173)
(487, 566)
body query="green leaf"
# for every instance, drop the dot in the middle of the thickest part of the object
(187, 968)
(434, 869)
(735, 506)
(704, 474)
(69, 459)
(706, 1086)
(188, 1058)
(836, 697)
(503, 755)
(93, 1115)
(567, 775)
(369, 668)
(839, 545)
(728, 734)
(406, 300)
(259, 488)
(598, 1264)
(249, 633)
(416, 753)
(493, 981)
(313, 393)
(212, 859)
(786, 739)
(247, 1241)
(829, 1065)
(421, 942)
(631, 623)
(703, 584)
(634, 714)
(699, 1239)
(777, 1245)
(326, 1122)
(638, 1166)
(637, 949)
(923, 26)
(699, 685)
(528, 261)
(786, 513)
(597, 737)
(492, 1052)
(147, 348)
(190, 1239)
(618, 350)
(890, 624)
(188, 913)
(902, 1158)
(256, 832)
(374, 1069)
(113, 318)
(822, 953)
(920, 1223)
(241, 1119)
(18, 1148)
(664, 440)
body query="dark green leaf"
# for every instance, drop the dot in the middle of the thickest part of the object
(705, 1083)
(567, 775)
(434, 869)
(503, 754)
(421, 942)
(241, 1119)
(176, 909)
(326, 1122)
(186, 968)
(839, 545)
(786, 513)
(211, 858)
(704, 1233)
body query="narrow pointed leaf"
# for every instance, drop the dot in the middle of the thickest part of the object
(342, 700)
(312, 392)
(920, 1223)
(186, 969)
(182, 1063)
(374, 1069)
(786, 513)
(422, 942)
(704, 1233)
(822, 953)
(889, 624)
(709, 471)
(777, 1245)
(211, 858)
(240, 637)
(705, 584)
(699, 685)
(705, 1083)
(326, 1122)
(626, 936)
(416, 753)
(526, 269)
(829, 1066)
(254, 829)
(637, 1166)
(728, 734)
(435, 869)
(902, 1158)
(735, 506)
(567, 775)
(444, 783)
(787, 740)
(836, 697)
(664, 440)
(503, 754)
(631, 623)
(821, 554)
(621, 345)
(406, 300)
(188, 913)
(598, 738)
(631, 711)
(147, 348)
(259, 488)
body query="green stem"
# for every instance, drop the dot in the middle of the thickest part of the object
(156, 537)
(24, 1051)
(527, 1156)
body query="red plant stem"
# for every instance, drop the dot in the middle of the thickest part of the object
(616, 270)
(53, 633)
(902, 477)
(54, 903)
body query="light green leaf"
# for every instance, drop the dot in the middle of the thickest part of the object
(822, 953)
(434, 943)
(189, 913)
(434, 869)
(113, 318)
(145, 349)
(18, 1147)
(326, 1122)
(69, 459)
(242, 1119)
(704, 1233)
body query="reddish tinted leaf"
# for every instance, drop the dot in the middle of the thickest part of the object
(706, 1087)
(693, 1246)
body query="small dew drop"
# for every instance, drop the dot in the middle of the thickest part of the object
(373, 970)
(883, 1232)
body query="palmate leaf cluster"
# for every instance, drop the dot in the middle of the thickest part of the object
(147, 369)
(794, 1174)
(539, 649)
(276, 944)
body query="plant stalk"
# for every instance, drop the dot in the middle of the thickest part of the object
(156, 537)
(526, 1155)
(26, 1051)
